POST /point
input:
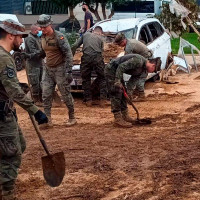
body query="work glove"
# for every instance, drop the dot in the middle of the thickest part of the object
(69, 77)
(25, 55)
(40, 117)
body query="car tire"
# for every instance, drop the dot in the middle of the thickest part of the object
(18, 61)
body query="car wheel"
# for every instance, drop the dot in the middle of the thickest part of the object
(18, 61)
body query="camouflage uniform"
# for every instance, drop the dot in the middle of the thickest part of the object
(136, 84)
(92, 59)
(131, 64)
(34, 64)
(59, 61)
(12, 143)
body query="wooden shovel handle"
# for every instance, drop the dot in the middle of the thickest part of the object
(39, 135)
(129, 101)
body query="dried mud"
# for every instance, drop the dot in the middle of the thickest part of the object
(160, 161)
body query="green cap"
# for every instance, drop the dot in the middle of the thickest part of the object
(44, 20)
(119, 37)
(13, 27)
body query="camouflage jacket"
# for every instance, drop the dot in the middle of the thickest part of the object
(34, 49)
(9, 84)
(132, 64)
(136, 47)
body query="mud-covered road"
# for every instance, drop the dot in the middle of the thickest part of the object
(160, 161)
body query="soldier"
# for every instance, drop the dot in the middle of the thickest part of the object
(12, 142)
(58, 70)
(92, 59)
(34, 63)
(134, 65)
(136, 86)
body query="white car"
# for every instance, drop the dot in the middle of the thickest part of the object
(148, 30)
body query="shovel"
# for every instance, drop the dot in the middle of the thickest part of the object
(138, 120)
(53, 164)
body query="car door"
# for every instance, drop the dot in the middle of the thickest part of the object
(161, 44)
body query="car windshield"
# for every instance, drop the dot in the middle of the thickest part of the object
(130, 34)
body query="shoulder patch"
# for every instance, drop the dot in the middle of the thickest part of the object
(61, 37)
(10, 72)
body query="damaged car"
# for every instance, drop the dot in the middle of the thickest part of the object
(147, 30)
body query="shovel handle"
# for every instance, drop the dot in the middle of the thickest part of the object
(39, 135)
(129, 101)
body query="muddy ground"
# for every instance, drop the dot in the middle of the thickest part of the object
(160, 161)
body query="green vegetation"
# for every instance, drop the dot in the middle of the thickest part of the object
(190, 37)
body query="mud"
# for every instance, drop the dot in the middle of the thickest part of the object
(160, 161)
(110, 51)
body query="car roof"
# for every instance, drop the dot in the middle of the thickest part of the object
(8, 16)
(115, 26)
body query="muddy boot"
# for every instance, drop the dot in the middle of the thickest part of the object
(119, 121)
(72, 120)
(37, 101)
(104, 103)
(140, 97)
(88, 103)
(126, 117)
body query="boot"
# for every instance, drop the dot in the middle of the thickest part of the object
(141, 97)
(119, 121)
(37, 101)
(88, 103)
(72, 120)
(126, 117)
(104, 103)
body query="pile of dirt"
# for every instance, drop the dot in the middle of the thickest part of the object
(111, 51)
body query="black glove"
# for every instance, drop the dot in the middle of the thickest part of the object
(40, 117)
(69, 77)
(25, 55)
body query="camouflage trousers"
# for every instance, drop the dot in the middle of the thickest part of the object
(35, 78)
(136, 84)
(118, 101)
(91, 63)
(12, 145)
(51, 78)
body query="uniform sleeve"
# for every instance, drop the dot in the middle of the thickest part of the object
(9, 80)
(66, 50)
(33, 49)
(77, 44)
(130, 64)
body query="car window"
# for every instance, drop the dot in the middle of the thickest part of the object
(144, 35)
(153, 31)
(159, 28)
(129, 33)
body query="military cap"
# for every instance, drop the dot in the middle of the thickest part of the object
(119, 37)
(44, 20)
(13, 27)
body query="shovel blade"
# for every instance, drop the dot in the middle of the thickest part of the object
(144, 121)
(54, 168)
